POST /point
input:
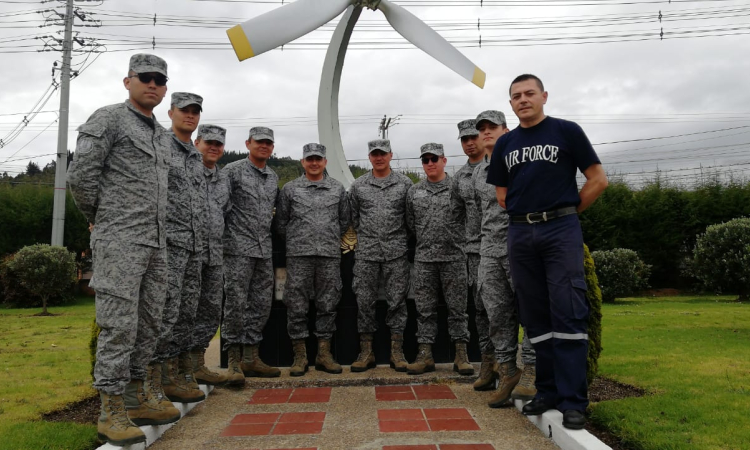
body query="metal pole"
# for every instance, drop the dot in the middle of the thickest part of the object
(61, 167)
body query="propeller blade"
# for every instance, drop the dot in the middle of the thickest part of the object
(282, 25)
(429, 41)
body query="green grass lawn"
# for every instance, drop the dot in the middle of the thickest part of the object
(44, 364)
(692, 354)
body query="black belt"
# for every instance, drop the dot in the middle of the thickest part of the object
(544, 216)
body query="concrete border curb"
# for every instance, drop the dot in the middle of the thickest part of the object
(155, 432)
(550, 423)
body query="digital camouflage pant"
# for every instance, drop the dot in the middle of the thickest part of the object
(395, 274)
(183, 289)
(480, 316)
(208, 315)
(496, 295)
(130, 281)
(312, 278)
(248, 283)
(429, 279)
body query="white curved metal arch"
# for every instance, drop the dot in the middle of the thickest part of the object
(329, 131)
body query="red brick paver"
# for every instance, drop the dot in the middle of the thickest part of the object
(432, 419)
(299, 395)
(275, 424)
(415, 392)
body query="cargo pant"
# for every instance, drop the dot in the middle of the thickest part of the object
(429, 279)
(395, 275)
(130, 281)
(480, 316)
(498, 301)
(312, 278)
(248, 283)
(183, 288)
(208, 315)
(546, 260)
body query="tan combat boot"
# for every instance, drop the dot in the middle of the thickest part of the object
(424, 362)
(175, 387)
(461, 362)
(487, 374)
(144, 409)
(299, 366)
(202, 373)
(235, 377)
(253, 366)
(366, 358)
(114, 426)
(398, 361)
(324, 359)
(153, 385)
(526, 389)
(185, 364)
(509, 376)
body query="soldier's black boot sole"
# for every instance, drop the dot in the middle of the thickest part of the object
(121, 442)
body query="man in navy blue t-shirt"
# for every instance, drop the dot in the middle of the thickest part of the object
(534, 171)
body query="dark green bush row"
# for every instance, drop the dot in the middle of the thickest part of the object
(661, 223)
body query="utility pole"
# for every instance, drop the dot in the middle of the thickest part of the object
(61, 166)
(386, 123)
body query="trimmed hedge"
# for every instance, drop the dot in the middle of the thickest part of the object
(43, 270)
(594, 296)
(721, 259)
(621, 273)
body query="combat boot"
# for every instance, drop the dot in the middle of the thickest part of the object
(153, 385)
(424, 362)
(185, 363)
(202, 373)
(461, 362)
(253, 366)
(114, 426)
(175, 387)
(526, 389)
(324, 359)
(398, 361)
(235, 377)
(487, 374)
(144, 409)
(509, 375)
(299, 366)
(366, 358)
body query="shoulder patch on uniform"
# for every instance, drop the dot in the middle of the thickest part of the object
(93, 129)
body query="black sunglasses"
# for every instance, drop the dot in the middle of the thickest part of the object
(145, 78)
(427, 159)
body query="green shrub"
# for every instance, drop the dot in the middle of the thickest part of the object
(721, 258)
(621, 273)
(44, 270)
(594, 296)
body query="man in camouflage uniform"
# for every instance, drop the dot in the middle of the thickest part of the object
(118, 179)
(437, 218)
(464, 184)
(312, 215)
(495, 285)
(184, 251)
(210, 143)
(248, 269)
(378, 208)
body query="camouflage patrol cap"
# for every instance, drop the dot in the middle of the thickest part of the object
(493, 116)
(384, 145)
(183, 99)
(432, 149)
(313, 149)
(212, 133)
(260, 133)
(467, 128)
(145, 63)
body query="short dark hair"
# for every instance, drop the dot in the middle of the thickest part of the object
(524, 77)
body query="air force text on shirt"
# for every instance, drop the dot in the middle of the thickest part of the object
(533, 153)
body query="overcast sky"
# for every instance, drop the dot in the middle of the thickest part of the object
(603, 66)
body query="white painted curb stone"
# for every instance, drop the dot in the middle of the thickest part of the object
(551, 425)
(154, 432)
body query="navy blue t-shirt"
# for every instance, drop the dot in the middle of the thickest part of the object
(538, 165)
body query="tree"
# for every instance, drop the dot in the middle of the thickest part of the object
(721, 259)
(44, 270)
(33, 169)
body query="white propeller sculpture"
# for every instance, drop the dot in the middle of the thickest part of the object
(287, 23)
